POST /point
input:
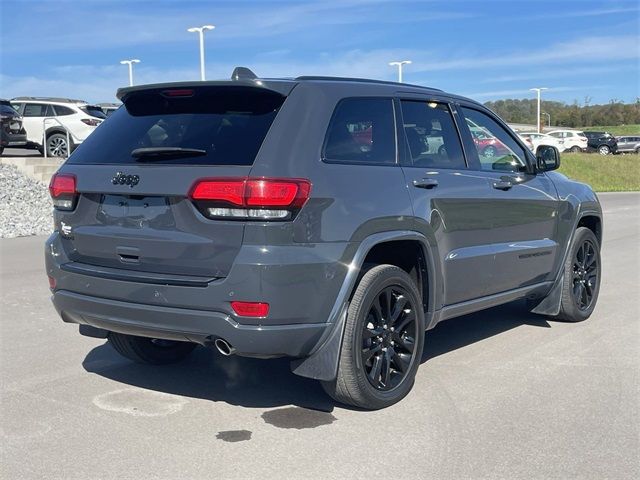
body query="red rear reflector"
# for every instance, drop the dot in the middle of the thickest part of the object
(62, 184)
(52, 282)
(178, 93)
(250, 309)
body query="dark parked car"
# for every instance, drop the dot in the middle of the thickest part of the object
(602, 142)
(12, 133)
(628, 144)
(224, 214)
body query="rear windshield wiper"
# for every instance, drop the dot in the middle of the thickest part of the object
(153, 153)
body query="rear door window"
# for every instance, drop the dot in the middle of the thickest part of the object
(226, 124)
(362, 130)
(35, 110)
(431, 135)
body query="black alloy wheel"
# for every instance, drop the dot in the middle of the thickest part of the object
(585, 274)
(389, 338)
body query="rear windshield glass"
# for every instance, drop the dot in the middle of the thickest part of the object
(228, 124)
(7, 110)
(93, 111)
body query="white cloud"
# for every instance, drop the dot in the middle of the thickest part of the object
(100, 25)
(525, 92)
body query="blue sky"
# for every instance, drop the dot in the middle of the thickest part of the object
(485, 49)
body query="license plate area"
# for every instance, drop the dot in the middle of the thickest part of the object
(135, 211)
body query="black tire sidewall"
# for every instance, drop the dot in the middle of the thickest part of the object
(390, 276)
(570, 310)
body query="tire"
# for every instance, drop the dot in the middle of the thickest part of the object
(148, 350)
(57, 145)
(604, 150)
(1, 150)
(637, 150)
(393, 345)
(582, 272)
(490, 151)
(575, 149)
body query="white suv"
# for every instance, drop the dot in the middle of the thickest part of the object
(56, 117)
(541, 139)
(570, 140)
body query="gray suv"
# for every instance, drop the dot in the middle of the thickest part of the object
(330, 220)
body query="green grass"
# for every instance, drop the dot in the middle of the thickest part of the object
(616, 130)
(611, 173)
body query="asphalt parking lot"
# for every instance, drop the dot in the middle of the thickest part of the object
(501, 394)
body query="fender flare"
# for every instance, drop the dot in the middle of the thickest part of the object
(550, 304)
(322, 363)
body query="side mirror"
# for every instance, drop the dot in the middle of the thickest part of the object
(547, 158)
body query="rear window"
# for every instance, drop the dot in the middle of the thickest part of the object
(7, 110)
(228, 123)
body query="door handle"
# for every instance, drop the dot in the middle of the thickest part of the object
(502, 185)
(426, 183)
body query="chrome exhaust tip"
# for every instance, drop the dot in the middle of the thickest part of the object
(224, 347)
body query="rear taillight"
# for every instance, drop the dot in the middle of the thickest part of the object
(63, 191)
(92, 122)
(250, 198)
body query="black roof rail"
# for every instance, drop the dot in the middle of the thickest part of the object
(51, 99)
(362, 80)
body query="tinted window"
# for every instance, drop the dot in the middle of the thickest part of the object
(7, 110)
(35, 110)
(431, 135)
(61, 110)
(228, 123)
(93, 111)
(362, 130)
(496, 148)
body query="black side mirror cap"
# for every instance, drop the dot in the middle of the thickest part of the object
(547, 158)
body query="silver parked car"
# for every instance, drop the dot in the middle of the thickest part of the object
(629, 144)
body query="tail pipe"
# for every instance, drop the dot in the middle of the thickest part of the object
(224, 347)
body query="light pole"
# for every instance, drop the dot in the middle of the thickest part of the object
(400, 64)
(548, 117)
(130, 63)
(201, 31)
(538, 90)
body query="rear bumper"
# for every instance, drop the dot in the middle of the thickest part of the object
(196, 326)
(13, 139)
(299, 282)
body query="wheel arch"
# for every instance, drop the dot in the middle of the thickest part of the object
(322, 363)
(591, 219)
(593, 222)
(55, 129)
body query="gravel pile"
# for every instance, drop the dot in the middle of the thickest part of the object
(25, 205)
